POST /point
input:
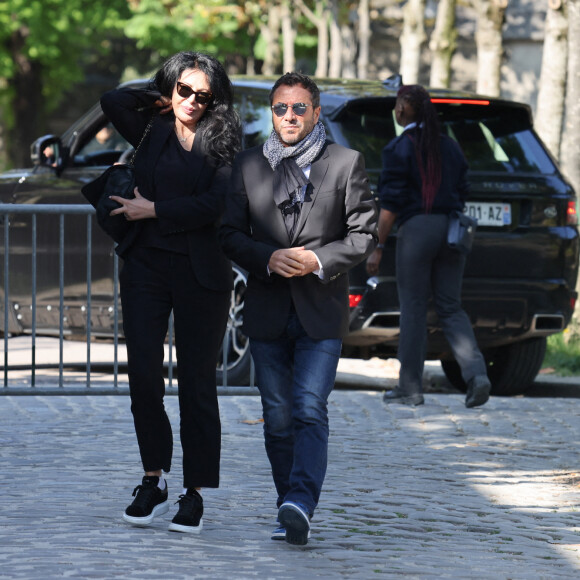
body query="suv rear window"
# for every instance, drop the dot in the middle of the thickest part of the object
(493, 138)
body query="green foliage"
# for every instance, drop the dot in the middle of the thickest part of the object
(52, 36)
(169, 26)
(220, 27)
(563, 354)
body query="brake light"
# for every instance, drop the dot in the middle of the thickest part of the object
(354, 299)
(572, 214)
(572, 303)
(461, 101)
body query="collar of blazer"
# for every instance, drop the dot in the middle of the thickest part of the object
(161, 132)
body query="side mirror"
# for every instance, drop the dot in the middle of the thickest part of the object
(46, 151)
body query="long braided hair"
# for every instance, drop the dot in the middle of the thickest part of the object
(426, 137)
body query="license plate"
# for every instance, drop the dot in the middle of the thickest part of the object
(490, 214)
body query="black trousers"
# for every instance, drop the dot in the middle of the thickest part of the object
(427, 267)
(153, 283)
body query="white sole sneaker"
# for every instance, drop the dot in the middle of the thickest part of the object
(186, 529)
(158, 510)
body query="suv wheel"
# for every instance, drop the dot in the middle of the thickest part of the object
(511, 369)
(238, 357)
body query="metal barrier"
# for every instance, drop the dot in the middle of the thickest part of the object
(10, 214)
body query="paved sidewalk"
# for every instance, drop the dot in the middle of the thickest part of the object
(437, 491)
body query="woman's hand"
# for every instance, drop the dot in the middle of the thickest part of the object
(164, 104)
(385, 225)
(137, 208)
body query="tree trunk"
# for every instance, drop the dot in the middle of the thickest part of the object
(488, 38)
(412, 39)
(364, 38)
(570, 153)
(348, 51)
(251, 59)
(320, 20)
(3, 152)
(552, 84)
(250, 65)
(571, 137)
(335, 64)
(271, 33)
(443, 44)
(288, 38)
(27, 104)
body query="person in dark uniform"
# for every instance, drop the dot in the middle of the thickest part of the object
(424, 179)
(173, 262)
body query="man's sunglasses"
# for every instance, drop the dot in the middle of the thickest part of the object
(185, 91)
(281, 108)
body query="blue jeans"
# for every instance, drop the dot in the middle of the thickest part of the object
(295, 376)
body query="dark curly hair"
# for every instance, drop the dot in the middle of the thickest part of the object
(427, 140)
(220, 124)
(292, 79)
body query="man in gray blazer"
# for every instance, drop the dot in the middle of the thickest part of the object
(298, 216)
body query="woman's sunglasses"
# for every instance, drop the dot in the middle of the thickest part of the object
(185, 91)
(281, 108)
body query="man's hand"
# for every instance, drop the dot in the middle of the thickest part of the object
(373, 261)
(138, 208)
(290, 262)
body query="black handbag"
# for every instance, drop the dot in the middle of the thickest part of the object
(461, 231)
(116, 180)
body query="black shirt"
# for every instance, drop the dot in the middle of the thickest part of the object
(168, 184)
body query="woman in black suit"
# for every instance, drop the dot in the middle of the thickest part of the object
(424, 179)
(173, 262)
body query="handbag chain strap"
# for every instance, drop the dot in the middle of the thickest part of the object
(147, 129)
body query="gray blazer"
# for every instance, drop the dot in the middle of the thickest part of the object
(338, 222)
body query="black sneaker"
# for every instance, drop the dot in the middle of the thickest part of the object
(478, 389)
(189, 517)
(294, 519)
(149, 502)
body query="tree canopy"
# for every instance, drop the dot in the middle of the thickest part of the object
(52, 36)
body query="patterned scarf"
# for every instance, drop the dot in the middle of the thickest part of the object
(290, 183)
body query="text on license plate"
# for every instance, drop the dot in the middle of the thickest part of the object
(490, 214)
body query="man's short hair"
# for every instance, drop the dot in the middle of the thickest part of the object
(292, 79)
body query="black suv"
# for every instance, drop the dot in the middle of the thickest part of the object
(519, 280)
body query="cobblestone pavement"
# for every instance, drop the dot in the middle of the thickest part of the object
(437, 491)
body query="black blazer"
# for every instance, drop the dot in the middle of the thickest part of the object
(198, 215)
(337, 222)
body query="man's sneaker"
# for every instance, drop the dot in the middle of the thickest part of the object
(149, 502)
(279, 532)
(294, 519)
(189, 516)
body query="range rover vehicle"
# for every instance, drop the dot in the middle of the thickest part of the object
(519, 280)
